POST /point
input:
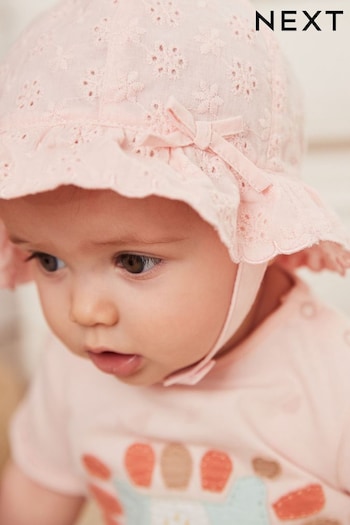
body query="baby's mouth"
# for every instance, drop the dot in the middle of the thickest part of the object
(114, 363)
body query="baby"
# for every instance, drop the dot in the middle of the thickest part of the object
(149, 185)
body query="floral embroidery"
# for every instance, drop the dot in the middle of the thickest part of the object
(211, 43)
(243, 80)
(212, 166)
(101, 32)
(158, 119)
(242, 29)
(163, 11)
(177, 33)
(41, 45)
(128, 87)
(83, 134)
(265, 123)
(243, 144)
(280, 94)
(5, 169)
(208, 100)
(30, 94)
(91, 84)
(167, 60)
(132, 32)
(61, 60)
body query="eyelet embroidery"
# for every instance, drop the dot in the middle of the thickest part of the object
(163, 11)
(207, 99)
(243, 79)
(101, 32)
(167, 60)
(29, 95)
(132, 32)
(83, 135)
(242, 29)
(61, 60)
(158, 119)
(210, 42)
(211, 166)
(271, 145)
(91, 84)
(128, 87)
(5, 170)
(41, 45)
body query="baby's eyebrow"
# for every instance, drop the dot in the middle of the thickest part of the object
(17, 240)
(117, 241)
(137, 240)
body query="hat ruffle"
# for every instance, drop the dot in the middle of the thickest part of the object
(258, 214)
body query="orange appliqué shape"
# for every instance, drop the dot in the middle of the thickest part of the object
(216, 468)
(105, 500)
(139, 462)
(300, 503)
(96, 467)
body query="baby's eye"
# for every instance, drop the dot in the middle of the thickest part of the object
(50, 263)
(135, 264)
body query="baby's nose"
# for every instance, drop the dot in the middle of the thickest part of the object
(90, 306)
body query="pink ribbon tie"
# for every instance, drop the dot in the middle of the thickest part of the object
(210, 136)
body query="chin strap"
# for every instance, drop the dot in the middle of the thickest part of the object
(246, 287)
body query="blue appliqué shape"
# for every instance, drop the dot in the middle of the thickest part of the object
(246, 504)
(135, 504)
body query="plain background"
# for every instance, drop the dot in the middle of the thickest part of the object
(322, 64)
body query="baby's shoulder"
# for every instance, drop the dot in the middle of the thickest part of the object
(318, 320)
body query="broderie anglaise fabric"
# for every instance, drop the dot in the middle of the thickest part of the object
(68, 116)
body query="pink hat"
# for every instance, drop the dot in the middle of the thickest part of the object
(180, 98)
(177, 98)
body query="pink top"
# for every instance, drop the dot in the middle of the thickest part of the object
(263, 439)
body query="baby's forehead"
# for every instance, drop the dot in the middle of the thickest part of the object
(105, 214)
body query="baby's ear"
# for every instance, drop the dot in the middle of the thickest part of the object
(13, 268)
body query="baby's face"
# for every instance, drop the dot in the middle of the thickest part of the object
(139, 286)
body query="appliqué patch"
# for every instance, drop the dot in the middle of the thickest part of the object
(176, 466)
(300, 503)
(139, 462)
(96, 467)
(216, 468)
(266, 468)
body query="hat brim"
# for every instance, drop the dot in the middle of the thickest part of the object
(287, 218)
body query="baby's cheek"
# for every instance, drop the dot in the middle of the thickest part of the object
(55, 311)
